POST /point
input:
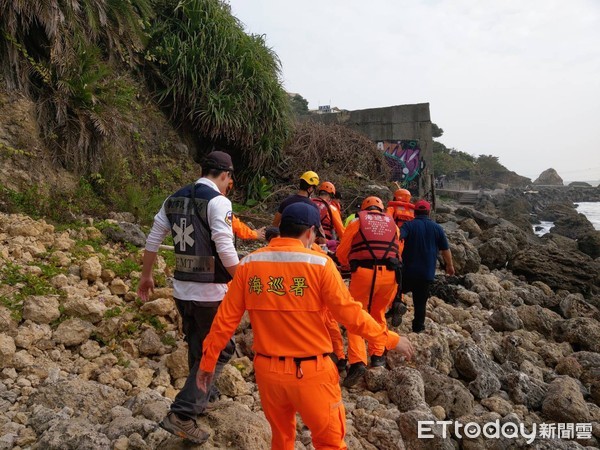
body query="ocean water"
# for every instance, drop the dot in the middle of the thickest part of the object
(542, 228)
(591, 210)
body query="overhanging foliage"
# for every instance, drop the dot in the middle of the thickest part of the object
(218, 79)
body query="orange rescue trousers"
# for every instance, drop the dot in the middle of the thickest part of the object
(316, 396)
(384, 287)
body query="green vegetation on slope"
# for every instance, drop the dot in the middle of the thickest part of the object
(61, 53)
(88, 66)
(80, 61)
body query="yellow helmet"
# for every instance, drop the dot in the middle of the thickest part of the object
(310, 177)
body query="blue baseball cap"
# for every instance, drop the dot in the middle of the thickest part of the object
(300, 213)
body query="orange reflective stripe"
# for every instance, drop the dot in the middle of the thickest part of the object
(284, 257)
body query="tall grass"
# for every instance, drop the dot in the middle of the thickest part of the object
(218, 79)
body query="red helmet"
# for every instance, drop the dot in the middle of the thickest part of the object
(370, 202)
(327, 187)
(402, 195)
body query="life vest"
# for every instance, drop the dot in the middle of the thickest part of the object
(325, 213)
(402, 211)
(196, 257)
(376, 241)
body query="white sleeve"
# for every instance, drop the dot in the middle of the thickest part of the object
(160, 228)
(219, 219)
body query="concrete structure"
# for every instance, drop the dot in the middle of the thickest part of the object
(403, 133)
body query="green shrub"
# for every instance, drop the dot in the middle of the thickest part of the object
(24, 285)
(122, 268)
(112, 312)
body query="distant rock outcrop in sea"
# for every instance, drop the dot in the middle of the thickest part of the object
(549, 177)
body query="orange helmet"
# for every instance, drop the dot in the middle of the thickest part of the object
(370, 202)
(327, 187)
(402, 195)
(310, 177)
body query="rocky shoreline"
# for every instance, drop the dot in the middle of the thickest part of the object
(513, 338)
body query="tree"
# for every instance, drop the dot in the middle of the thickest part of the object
(299, 105)
(488, 171)
(436, 131)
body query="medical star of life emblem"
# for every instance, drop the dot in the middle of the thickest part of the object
(183, 234)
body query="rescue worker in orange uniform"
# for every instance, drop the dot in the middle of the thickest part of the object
(402, 210)
(338, 355)
(309, 181)
(287, 288)
(370, 247)
(331, 219)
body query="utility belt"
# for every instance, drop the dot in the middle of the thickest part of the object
(297, 361)
(389, 263)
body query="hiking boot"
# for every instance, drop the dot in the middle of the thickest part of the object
(355, 373)
(377, 361)
(341, 364)
(186, 429)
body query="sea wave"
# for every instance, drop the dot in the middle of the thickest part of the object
(591, 210)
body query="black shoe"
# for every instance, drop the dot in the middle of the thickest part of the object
(341, 364)
(355, 373)
(396, 312)
(378, 361)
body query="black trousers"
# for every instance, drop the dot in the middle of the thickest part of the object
(197, 318)
(420, 294)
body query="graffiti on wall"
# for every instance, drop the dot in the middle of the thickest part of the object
(405, 160)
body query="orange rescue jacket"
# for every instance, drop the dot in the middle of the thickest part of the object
(401, 211)
(352, 237)
(287, 290)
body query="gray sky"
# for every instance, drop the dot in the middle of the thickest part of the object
(518, 79)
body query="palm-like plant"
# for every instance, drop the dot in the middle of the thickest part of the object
(59, 52)
(218, 79)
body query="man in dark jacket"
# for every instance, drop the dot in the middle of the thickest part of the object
(423, 239)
